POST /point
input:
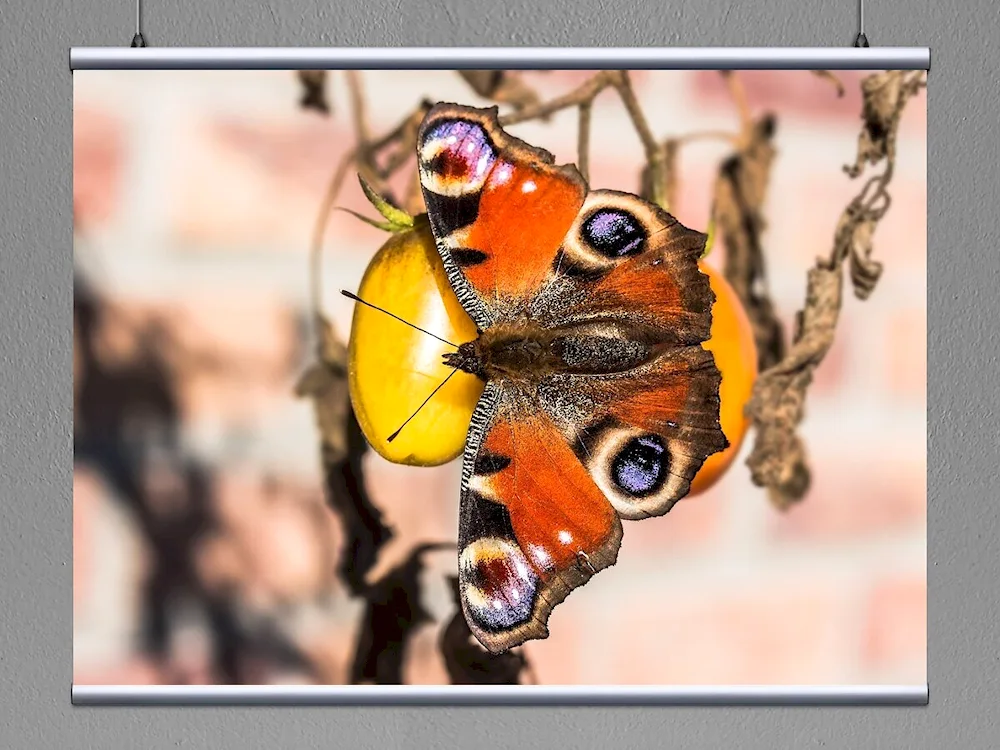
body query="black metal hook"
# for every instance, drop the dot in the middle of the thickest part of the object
(138, 40)
(861, 40)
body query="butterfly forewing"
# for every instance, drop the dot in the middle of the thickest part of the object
(498, 207)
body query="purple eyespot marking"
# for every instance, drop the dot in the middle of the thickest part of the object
(501, 585)
(614, 233)
(640, 468)
(465, 153)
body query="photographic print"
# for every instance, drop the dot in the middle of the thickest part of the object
(492, 377)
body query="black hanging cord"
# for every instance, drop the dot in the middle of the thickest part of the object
(861, 40)
(138, 40)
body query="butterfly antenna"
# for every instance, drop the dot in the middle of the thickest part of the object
(356, 298)
(440, 386)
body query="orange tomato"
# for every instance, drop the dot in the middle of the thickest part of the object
(732, 343)
(392, 367)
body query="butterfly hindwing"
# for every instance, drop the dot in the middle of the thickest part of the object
(643, 433)
(546, 480)
(533, 523)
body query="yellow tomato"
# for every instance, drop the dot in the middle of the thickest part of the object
(392, 367)
(732, 343)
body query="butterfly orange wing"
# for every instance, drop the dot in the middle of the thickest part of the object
(533, 524)
(547, 477)
(550, 469)
(498, 207)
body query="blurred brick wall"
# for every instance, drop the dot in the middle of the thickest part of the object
(201, 202)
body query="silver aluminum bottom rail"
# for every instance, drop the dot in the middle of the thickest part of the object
(506, 695)
(515, 58)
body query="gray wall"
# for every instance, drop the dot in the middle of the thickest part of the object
(35, 351)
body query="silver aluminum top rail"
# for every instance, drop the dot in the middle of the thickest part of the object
(515, 58)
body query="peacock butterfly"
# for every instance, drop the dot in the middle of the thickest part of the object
(599, 402)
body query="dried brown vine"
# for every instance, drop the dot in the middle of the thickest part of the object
(393, 612)
(314, 96)
(778, 461)
(740, 194)
(738, 209)
(501, 86)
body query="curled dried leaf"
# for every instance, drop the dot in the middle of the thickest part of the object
(364, 532)
(342, 448)
(325, 382)
(501, 86)
(865, 271)
(467, 662)
(313, 83)
(778, 459)
(392, 614)
(740, 192)
(885, 94)
(853, 242)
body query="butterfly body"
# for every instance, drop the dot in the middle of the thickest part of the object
(599, 401)
(528, 353)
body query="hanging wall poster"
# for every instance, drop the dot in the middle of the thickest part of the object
(496, 380)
